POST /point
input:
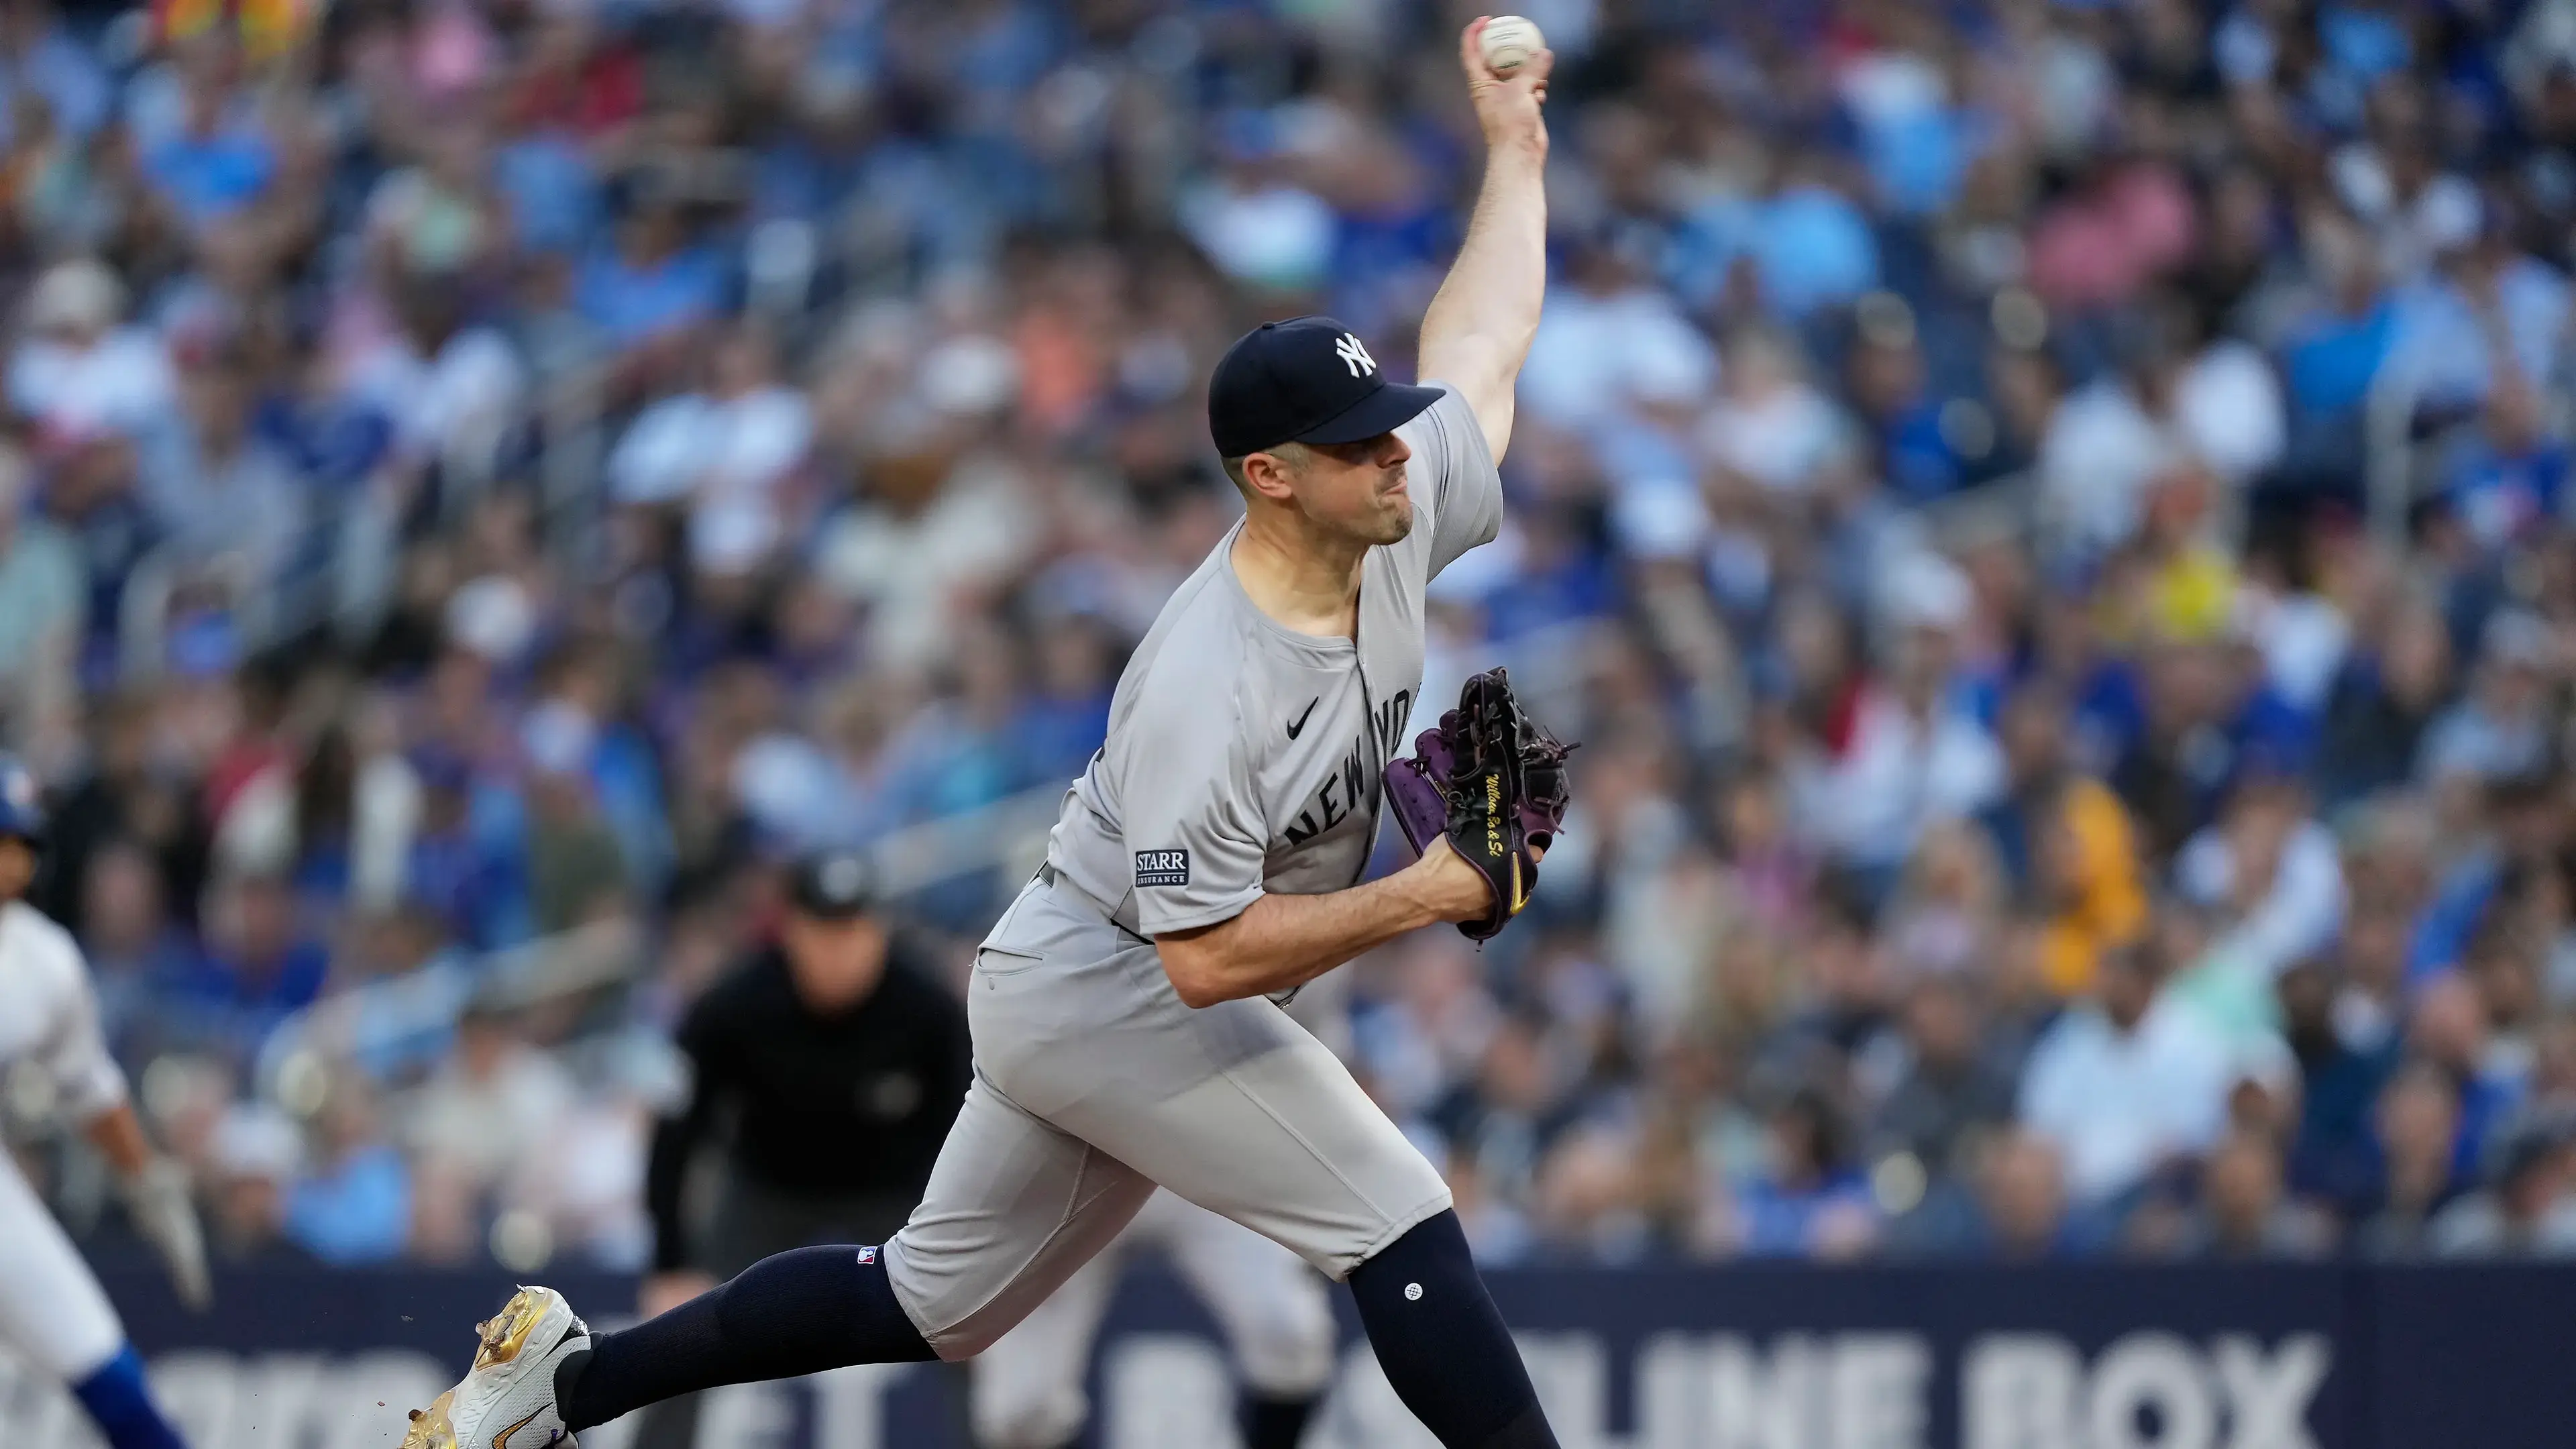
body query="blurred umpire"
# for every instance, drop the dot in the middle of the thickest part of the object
(829, 1065)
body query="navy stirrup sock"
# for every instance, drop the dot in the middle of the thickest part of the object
(1444, 1348)
(1443, 1345)
(787, 1315)
(122, 1408)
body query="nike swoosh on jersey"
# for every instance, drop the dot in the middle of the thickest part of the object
(1299, 722)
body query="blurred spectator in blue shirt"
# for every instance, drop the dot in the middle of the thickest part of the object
(1806, 244)
(2244, 1212)
(2383, 700)
(219, 488)
(478, 893)
(2212, 720)
(252, 1156)
(2334, 1158)
(962, 752)
(257, 969)
(2506, 482)
(1926, 444)
(551, 192)
(657, 277)
(2450, 1033)
(1067, 717)
(1952, 1090)
(40, 59)
(2012, 1210)
(216, 161)
(2501, 729)
(1811, 245)
(2415, 1131)
(127, 931)
(44, 594)
(353, 1206)
(1812, 1200)
(2335, 347)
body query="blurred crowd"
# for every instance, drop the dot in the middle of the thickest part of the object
(2047, 518)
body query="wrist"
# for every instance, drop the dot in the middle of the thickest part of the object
(1418, 887)
(1450, 890)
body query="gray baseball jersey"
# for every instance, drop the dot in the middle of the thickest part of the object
(1244, 757)
(1241, 758)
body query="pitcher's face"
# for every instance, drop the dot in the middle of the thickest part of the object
(1357, 489)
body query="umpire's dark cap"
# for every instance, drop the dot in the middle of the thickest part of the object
(1305, 380)
(833, 885)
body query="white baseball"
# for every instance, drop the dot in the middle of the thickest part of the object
(1508, 43)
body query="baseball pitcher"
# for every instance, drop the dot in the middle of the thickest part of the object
(1208, 860)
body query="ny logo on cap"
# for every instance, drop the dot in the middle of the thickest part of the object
(1353, 355)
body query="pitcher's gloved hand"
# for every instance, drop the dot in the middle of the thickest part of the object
(157, 1200)
(1492, 781)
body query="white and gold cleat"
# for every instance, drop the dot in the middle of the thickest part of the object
(507, 1400)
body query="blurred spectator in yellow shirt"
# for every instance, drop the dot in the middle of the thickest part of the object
(2172, 582)
(2065, 842)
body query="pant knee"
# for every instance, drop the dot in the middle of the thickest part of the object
(970, 1337)
(1433, 1253)
(933, 1288)
(955, 1328)
(960, 1309)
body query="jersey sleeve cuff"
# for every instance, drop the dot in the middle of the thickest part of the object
(1209, 915)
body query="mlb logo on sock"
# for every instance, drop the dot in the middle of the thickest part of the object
(867, 1255)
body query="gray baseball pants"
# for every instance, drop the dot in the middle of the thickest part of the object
(1093, 1084)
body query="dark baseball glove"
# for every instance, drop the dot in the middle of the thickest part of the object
(1491, 780)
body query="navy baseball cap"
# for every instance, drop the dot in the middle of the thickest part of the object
(832, 885)
(1305, 380)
